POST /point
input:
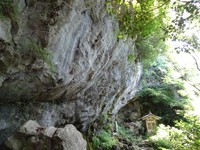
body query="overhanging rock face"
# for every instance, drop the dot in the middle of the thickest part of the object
(88, 72)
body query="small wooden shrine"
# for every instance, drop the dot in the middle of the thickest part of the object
(150, 121)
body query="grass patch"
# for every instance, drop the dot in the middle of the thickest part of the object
(131, 58)
(128, 135)
(104, 139)
(8, 10)
(42, 53)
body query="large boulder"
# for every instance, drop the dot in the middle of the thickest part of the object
(32, 136)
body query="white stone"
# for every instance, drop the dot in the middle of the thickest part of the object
(72, 138)
(50, 131)
(30, 128)
(5, 28)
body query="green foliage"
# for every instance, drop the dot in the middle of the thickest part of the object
(161, 95)
(138, 17)
(39, 51)
(151, 47)
(42, 53)
(185, 136)
(188, 44)
(96, 142)
(161, 140)
(158, 71)
(162, 101)
(127, 135)
(131, 58)
(163, 143)
(185, 12)
(8, 10)
(141, 19)
(189, 136)
(104, 139)
(102, 133)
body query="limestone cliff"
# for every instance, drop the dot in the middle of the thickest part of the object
(61, 62)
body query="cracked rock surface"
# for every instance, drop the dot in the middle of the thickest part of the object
(32, 136)
(61, 63)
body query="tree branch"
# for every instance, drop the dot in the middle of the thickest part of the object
(156, 7)
(196, 62)
(184, 78)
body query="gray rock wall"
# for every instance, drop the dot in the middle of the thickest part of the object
(87, 74)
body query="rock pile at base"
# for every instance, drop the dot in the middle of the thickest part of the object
(32, 136)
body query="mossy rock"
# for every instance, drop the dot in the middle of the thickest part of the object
(134, 116)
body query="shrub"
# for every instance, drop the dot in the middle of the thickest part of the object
(104, 140)
(185, 136)
(128, 135)
(8, 10)
(188, 137)
(161, 139)
(162, 101)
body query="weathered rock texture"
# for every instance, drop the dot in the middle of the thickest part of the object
(130, 117)
(88, 73)
(32, 136)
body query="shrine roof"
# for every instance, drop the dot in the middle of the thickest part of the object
(150, 115)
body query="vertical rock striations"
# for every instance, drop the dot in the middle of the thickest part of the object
(62, 63)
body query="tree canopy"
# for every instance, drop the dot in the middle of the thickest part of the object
(154, 22)
(170, 28)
